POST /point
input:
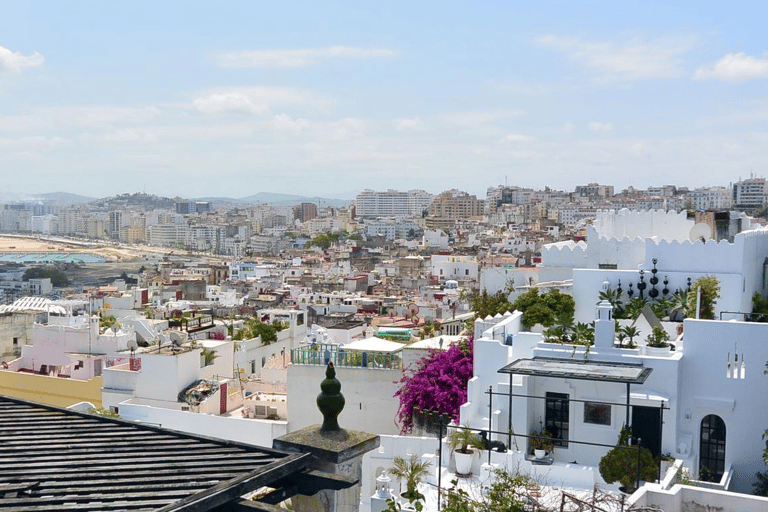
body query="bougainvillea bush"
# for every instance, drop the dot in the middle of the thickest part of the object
(438, 384)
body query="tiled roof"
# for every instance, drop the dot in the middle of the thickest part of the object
(57, 459)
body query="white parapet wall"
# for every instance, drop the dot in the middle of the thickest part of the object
(251, 431)
(684, 498)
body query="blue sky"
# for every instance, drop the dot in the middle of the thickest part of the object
(234, 98)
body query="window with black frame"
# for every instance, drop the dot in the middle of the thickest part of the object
(597, 413)
(712, 448)
(556, 417)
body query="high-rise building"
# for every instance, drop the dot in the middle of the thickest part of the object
(392, 203)
(595, 190)
(305, 211)
(749, 194)
(455, 204)
(187, 207)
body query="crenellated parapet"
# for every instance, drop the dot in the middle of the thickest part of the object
(666, 225)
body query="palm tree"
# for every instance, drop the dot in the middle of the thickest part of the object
(411, 471)
(630, 331)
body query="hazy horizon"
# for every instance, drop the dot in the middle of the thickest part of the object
(200, 100)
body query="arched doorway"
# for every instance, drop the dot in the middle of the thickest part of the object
(712, 448)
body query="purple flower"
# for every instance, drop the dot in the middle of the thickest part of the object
(439, 384)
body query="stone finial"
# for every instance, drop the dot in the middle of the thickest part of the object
(330, 401)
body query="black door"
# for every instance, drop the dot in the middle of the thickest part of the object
(646, 424)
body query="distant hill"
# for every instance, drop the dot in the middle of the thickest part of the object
(290, 199)
(63, 197)
(141, 200)
(278, 199)
(268, 197)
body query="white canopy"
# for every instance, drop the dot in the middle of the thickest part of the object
(374, 344)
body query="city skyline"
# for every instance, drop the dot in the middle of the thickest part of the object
(327, 100)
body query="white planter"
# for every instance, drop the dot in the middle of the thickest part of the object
(463, 462)
(658, 351)
(540, 454)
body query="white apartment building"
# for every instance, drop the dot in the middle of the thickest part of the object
(391, 228)
(45, 224)
(460, 268)
(169, 235)
(392, 203)
(749, 194)
(709, 198)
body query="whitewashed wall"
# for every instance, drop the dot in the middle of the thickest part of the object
(369, 393)
(251, 431)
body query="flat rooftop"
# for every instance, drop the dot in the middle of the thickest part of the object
(583, 370)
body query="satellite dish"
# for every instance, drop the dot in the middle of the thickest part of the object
(176, 338)
(132, 346)
(115, 328)
(700, 231)
(413, 309)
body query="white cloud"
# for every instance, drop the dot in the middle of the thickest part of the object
(225, 102)
(298, 57)
(346, 129)
(404, 124)
(148, 134)
(34, 143)
(569, 127)
(516, 138)
(67, 117)
(253, 100)
(600, 128)
(475, 118)
(630, 60)
(15, 61)
(734, 67)
(284, 123)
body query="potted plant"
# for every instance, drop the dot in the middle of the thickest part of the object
(411, 471)
(621, 465)
(462, 441)
(541, 443)
(657, 339)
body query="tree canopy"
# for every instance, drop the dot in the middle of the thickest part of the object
(710, 292)
(485, 304)
(58, 278)
(544, 309)
(254, 328)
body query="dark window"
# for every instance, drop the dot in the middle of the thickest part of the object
(712, 448)
(596, 413)
(556, 417)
